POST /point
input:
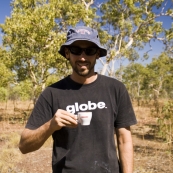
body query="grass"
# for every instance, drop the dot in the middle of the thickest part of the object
(152, 153)
(10, 156)
(48, 142)
(11, 140)
(9, 153)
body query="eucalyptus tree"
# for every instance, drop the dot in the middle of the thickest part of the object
(6, 75)
(130, 25)
(21, 91)
(159, 77)
(36, 29)
(33, 34)
(133, 77)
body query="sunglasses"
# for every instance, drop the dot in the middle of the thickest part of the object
(78, 50)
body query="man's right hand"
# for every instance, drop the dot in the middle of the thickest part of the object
(32, 140)
(63, 118)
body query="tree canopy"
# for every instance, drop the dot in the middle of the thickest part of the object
(32, 35)
(131, 25)
(155, 79)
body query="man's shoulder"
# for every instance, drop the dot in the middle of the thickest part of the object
(59, 85)
(110, 80)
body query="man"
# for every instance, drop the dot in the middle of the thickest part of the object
(77, 148)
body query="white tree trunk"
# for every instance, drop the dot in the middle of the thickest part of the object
(104, 69)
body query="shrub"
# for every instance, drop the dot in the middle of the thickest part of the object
(3, 94)
(165, 122)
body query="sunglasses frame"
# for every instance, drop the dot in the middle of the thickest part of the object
(82, 49)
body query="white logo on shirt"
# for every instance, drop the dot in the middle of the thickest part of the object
(84, 107)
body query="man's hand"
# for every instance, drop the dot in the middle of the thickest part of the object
(63, 118)
(32, 140)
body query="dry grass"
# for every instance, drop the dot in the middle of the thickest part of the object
(48, 143)
(10, 105)
(11, 140)
(12, 111)
(11, 159)
(9, 153)
(152, 154)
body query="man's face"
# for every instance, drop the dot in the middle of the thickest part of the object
(83, 65)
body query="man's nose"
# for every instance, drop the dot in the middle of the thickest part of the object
(83, 56)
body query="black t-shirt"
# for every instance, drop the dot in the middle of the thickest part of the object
(85, 149)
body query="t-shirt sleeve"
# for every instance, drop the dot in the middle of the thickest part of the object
(41, 113)
(125, 115)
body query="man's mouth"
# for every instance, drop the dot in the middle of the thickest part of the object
(81, 64)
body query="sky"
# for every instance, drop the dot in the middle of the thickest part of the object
(5, 10)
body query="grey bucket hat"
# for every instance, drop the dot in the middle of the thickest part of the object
(83, 33)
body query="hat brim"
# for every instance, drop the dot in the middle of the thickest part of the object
(103, 51)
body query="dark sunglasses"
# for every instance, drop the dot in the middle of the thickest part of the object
(78, 50)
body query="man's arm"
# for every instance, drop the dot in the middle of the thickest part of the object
(125, 147)
(32, 140)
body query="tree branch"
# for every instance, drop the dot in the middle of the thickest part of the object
(87, 5)
(105, 65)
(164, 7)
(129, 43)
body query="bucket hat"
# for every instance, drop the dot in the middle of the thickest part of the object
(82, 33)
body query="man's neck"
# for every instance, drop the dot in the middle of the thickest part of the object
(84, 79)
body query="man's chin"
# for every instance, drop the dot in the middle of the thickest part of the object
(83, 73)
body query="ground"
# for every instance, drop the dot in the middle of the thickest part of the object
(35, 162)
(151, 154)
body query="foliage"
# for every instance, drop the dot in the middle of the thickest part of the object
(151, 81)
(6, 75)
(3, 94)
(131, 25)
(159, 74)
(33, 35)
(21, 91)
(165, 121)
(133, 76)
(52, 79)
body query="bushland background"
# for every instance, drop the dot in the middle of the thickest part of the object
(130, 30)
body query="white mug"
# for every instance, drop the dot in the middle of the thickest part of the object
(84, 118)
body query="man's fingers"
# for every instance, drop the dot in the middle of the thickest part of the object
(67, 122)
(63, 112)
(66, 118)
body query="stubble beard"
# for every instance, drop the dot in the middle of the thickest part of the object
(83, 72)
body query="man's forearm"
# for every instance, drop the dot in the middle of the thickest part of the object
(125, 147)
(32, 140)
(126, 157)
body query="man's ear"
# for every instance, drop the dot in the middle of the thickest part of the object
(67, 53)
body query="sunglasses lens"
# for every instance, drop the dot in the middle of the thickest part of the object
(78, 51)
(90, 51)
(75, 50)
